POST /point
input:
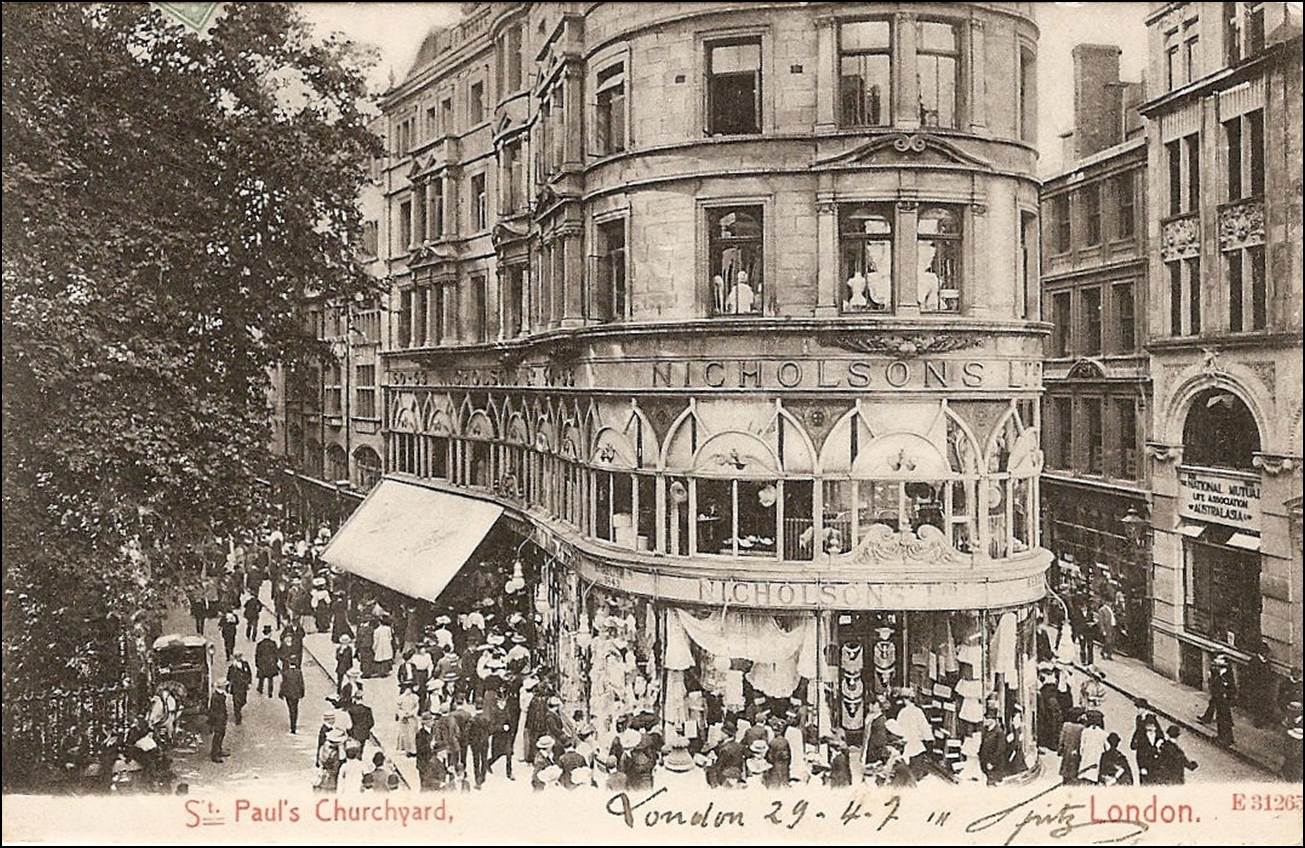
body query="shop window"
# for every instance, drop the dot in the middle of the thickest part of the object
(677, 516)
(610, 124)
(734, 87)
(1060, 319)
(737, 260)
(925, 504)
(1220, 432)
(998, 542)
(938, 73)
(865, 75)
(480, 470)
(1021, 514)
(798, 522)
(1223, 593)
(1091, 195)
(938, 250)
(737, 517)
(610, 291)
(1090, 316)
(866, 234)
(646, 512)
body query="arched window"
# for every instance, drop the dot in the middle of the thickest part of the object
(1220, 431)
(366, 468)
(938, 253)
(866, 235)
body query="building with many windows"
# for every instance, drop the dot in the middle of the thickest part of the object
(731, 314)
(1094, 289)
(1223, 323)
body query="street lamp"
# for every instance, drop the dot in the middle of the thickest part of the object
(1135, 526)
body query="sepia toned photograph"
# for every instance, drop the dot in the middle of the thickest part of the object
(652, 422)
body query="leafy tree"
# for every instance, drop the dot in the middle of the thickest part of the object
(169, 200)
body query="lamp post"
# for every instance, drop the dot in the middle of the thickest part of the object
(1138, 616)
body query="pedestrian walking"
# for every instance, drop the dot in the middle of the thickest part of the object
(239, 678)
(1114, 770)
(383, 648)
(344, 656)
(992, 749)
(1049, 715)
(266, 659)
(426, 752)
(292, 691)
(1173, 762)
(1089, 634)
(199, 611)
(1071, 735)
(1260, 686)
(364, 647)
(330, 759)
(340, 617)
(362, 720)
(1107, 623)
(320, 603)
(383, 777)
(406, 714)
(217, 721)
(228, 624)
(253, 607)
(502, 729)
(1092, 745)
(1223, 691)
(352, 770)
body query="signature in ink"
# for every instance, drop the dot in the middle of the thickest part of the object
(1038, 817)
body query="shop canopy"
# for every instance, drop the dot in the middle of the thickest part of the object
(411, 539)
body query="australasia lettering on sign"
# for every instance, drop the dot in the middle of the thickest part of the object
(1218, 498)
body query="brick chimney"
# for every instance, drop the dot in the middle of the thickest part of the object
(1098, 98)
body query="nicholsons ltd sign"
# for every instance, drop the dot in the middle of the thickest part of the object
(1219, 498)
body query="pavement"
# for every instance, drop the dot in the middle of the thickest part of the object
(1260, 748)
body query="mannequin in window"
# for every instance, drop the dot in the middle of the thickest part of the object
(929, 282)
(718, 293)
(741, 295)
(856, 289)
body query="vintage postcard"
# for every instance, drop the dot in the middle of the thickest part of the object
(615, 422)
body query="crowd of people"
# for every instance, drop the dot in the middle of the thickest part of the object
(475, 695)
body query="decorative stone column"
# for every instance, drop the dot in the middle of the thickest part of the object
(906, 112)
(907, 296)
(827, 256)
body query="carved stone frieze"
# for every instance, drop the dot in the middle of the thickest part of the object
(1241, 225)
(883, 544)
(1180, 238)
(905, 345)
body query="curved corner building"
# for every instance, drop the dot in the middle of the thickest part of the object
(732, 309)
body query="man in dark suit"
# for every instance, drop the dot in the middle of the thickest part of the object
(502, 729)
(992, 749)
(730, 754)
(480, 727)
(780, 756)
(265, 661)
(1223, 691)
(217, 721)
(426, 751)
(239, 677)
(1173, 762)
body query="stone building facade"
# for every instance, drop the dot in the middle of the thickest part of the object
(1224, 327)
(733, 311)
(1094, 290)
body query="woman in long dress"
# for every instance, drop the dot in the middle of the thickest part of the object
(519, 751)
(405, 712)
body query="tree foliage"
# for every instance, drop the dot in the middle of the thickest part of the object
(168, 202)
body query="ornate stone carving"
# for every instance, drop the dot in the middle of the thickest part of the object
(904, 346)
(1274, 464)
(1210, 365)
(1165, 453)
(1241, 224)
(910, 144)
(1086, 369)
(883, 544)
(1180, 238)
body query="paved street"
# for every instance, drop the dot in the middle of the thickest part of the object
(263, 752)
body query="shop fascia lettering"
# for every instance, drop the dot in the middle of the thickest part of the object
(869, 374)
(1209, 496)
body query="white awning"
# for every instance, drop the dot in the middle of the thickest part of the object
(1245, 541)
(410, 538)
(1191, 529)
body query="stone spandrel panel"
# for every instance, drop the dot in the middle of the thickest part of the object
(1180, 238)
(1241, 225)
